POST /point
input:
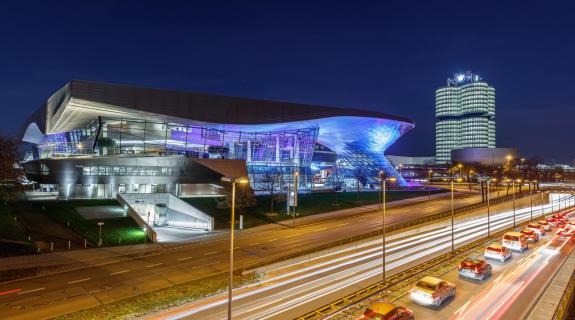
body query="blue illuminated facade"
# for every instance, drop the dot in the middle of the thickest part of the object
(273, 145)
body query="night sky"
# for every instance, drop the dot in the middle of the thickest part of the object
(388, 56)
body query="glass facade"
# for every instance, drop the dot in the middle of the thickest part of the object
(465, 116)
(283, 152)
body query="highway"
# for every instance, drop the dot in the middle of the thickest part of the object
(51, 295)
(292, 290)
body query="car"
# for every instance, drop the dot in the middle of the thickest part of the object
(531, 235)
(538, 228)
(497, 252)
(552, 221)
(431, 291)
(560, 223)
(545, 224)
(475, 269)
(564, 232)
(381, 310)
(515, 241)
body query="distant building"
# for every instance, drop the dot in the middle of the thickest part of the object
(484, 156)
(464, 115)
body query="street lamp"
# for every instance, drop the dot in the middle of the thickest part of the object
(146, 230)
(295, 187)
(508, 158)
(488, 206)
(430, 172)
(233, 181)
(513, 189)
(100, 224)
(460, 166)
(452, 179)
(383, 190)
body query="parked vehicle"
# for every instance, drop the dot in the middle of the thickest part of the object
(431, 291)
(515, 241)
(497, 252)
(381, 310)
(475, 269)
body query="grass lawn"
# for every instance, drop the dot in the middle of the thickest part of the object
(308, 204)
(11, 229)
(112, 231)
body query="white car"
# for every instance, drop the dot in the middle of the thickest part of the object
(431, 291)
(515, 241)
(539, 229)
(497, 252)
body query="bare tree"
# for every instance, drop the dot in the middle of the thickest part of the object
(245, 197)
(359, 175)
(335, 177)
(9, 172)
(273, 181)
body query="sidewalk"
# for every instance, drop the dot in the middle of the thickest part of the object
(547, 304)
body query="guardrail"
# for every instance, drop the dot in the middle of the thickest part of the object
(366, 293)
(561, 312)
(388, 228)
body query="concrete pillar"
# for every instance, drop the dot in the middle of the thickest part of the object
(277, 148)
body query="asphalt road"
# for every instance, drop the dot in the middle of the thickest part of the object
(52, 295)
(292, 290)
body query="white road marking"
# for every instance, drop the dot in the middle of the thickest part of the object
(81, 280)
(321, 229)
(118, 272)
(153, 265)
(33, 290)
(343, 224)
(207, 254)
(294, 235)
(186, 258)
(254, 244)
(270, 240)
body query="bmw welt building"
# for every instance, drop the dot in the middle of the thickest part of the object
(95, 140)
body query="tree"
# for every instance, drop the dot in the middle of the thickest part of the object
(105, 143)
(245, 197)
(359, 175)
(335, 177)
(273, 181)
(9, 172)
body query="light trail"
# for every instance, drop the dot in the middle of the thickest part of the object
(325, 274)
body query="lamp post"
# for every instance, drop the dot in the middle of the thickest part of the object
(100, 224)
(295, 181)
(429, 173)
(383, 197)
(233, 181)
(488, 207)
(513, 187)
(147, 227)
(453, 213)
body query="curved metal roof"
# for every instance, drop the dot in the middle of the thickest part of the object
(188, 105)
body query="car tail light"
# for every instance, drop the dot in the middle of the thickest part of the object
(476, 269)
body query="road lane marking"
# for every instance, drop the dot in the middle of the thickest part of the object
(33, 290)
(207, 254)
(321, 229)
(153, 265)
(236, 248)
(254, 244)
(118, 272)
(81, 280)
(343, 224)
(294, 235)
(270, 240)
(186, 258)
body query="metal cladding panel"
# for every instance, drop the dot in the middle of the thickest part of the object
(210, 108)
(69, 170)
